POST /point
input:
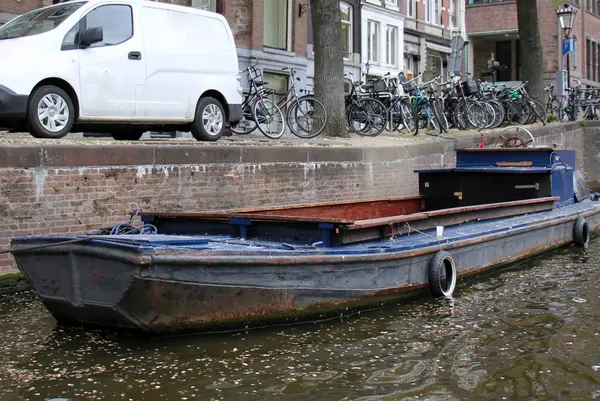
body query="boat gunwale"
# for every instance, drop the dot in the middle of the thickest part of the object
(281, 256)
(359, 224)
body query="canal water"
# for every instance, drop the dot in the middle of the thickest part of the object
(527, 332)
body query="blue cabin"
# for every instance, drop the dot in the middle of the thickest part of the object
(493, 175)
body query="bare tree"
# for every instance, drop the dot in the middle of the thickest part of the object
(329, 64)
(530, 43)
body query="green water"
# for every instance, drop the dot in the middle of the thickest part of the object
(531, 332)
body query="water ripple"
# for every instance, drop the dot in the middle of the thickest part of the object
(526, 332)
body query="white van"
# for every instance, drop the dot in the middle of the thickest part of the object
(119, 66)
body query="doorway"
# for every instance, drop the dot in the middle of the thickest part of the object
(504, 58)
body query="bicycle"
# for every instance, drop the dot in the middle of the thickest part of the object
(424, 107)
(398, 107)
(306, 116)
(258, 111)
(365, 115)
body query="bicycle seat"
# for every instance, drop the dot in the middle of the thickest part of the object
(367, 86)
(261, 83)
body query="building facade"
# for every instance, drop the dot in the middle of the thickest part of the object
(382, 33)
(493, 36)
(429, 28)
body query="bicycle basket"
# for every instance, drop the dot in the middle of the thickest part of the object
(255, 74)
(469, 87)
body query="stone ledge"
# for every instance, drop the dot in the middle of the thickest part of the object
(383, 148)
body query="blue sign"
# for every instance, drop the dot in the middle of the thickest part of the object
(567, 46)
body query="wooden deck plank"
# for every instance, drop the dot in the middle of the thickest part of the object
(444, 212)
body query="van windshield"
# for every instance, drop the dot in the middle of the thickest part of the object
(38, 21)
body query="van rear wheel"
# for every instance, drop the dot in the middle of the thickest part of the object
(50, 113)
(210, 120)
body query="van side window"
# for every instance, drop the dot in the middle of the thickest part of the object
(71, 40)
(116, 22)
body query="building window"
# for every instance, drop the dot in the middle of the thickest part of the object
(393, 3)
(434, 65)
(588, 59)
(373, 41)
(411, 6)
(436, 12)
(453, 14)
(594, 61)
(346, 11)
(208, 5)
(391, 44)
(575, 52)
(427, 11)
(276, 23)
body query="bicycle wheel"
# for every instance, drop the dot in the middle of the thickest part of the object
(477, 116)
(306, 117)
(553, 107)
(269, 118)
(498, 112)
(433, 118)
(520, 112)
(246, 125)
(460, 115)
(490, 114)
(563, 112)
(441, 116)
(409, 117)
(367, 117)
(538, 111)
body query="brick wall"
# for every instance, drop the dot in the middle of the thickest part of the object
(239, 15)
(59, 199)
(19, 7)
(491, 17)
(299, 26)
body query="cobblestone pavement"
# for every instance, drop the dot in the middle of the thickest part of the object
(256, 139)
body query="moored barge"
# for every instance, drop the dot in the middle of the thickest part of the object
(247, 267)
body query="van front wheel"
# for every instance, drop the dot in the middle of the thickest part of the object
(50, 113)
(210, 120)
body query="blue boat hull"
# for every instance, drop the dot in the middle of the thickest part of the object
(179, 284)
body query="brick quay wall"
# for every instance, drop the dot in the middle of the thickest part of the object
(59, 188)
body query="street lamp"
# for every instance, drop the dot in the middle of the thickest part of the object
(566, 18)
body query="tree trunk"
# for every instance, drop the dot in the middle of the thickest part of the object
(329, 64)
(530, 43)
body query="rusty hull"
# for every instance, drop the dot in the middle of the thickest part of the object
(176, 290)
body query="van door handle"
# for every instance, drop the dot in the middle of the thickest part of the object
(135, 56)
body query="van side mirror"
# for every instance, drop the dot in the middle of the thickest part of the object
(91, 36)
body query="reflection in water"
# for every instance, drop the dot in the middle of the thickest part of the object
(528, 332)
